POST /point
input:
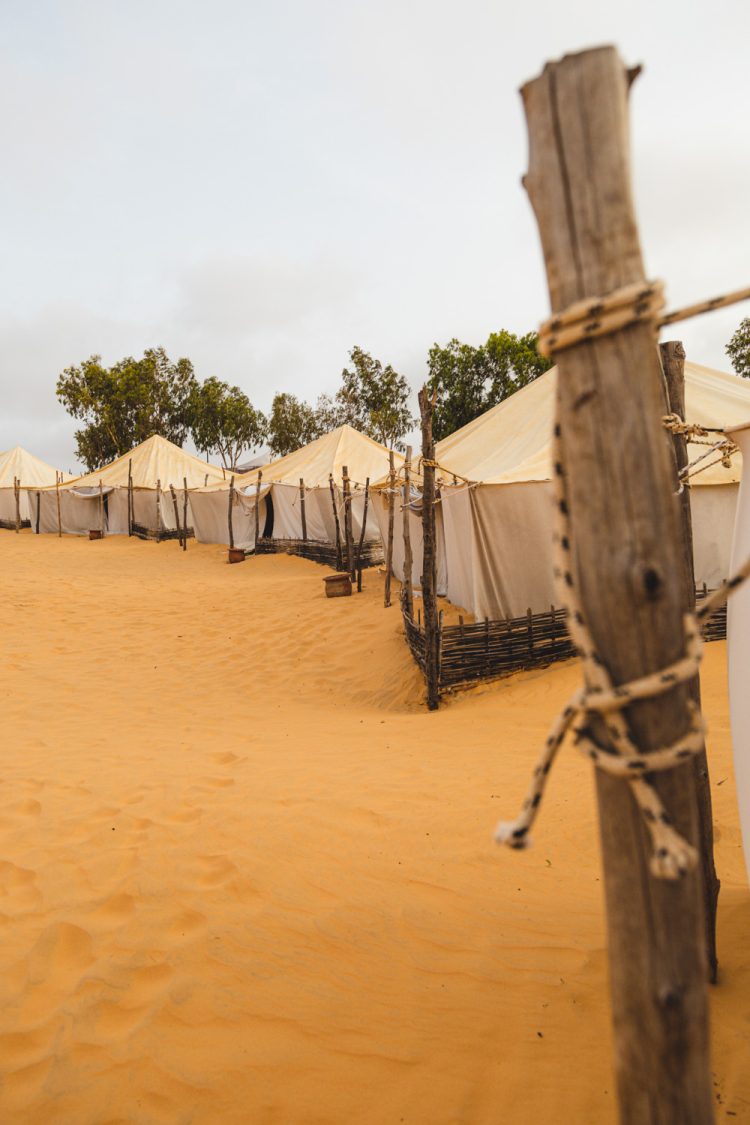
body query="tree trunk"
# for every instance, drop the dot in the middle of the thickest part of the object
(389, 543)
(673, 363)
(627, 552)
(429, 561)
(408, 558)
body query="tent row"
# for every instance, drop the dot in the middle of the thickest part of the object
(494, 512)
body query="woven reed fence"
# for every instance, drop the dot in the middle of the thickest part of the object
(142, 532)
(320, 551)
(486, 650)
(10, 525)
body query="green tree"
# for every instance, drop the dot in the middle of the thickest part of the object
(738, 349)
(123, 405)
(470, 380)
(224, 421)
(292, 424)
(374, 399)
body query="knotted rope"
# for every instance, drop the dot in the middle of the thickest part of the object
(600, 699)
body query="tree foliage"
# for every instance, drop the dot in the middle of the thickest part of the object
(223, 421)
(291, 424)
(738, 349)
(469, 380)
(123, 405)
(374, 399)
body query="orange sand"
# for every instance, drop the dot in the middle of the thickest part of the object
(246, 877)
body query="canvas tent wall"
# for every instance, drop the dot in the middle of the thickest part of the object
(280, 514)
(497, 530)
(32, 473)
(154, 460)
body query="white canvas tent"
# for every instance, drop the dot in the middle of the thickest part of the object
(280, 509)
(155, 462)
(494, 529)
(31, 473)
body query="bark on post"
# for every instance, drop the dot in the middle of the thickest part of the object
(38, 510)
(257, 509)
(184, 513)
(17, 495)
(59, 515)
(101, 509)
(230, 521)
(158, 511)
(348, 522)
(389, 543)
(429, 560)
(176, 515)
(362, 536)
(408, 593)
(130, 496)
(627, 555)
(673, 364)
(332, 487)
(302, 507)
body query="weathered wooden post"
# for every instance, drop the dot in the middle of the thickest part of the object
(348, 522)
(38, 510)
(176, 515)
(362, 536)
(673, 364)
(626, 564)
(130, 496)
(389, 542)
(332, 487)
(302, 507)
(101, 510)
(257, 509)
(158, 511)
(230, 521)
(17, 496)
(184, 513)
(57, 496)
(429, 552)
(408, 593)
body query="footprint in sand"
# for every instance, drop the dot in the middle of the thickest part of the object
(29, 807)
(225, 759)
(61, 955)
(215, 870)
(18, 884)
(114, 911)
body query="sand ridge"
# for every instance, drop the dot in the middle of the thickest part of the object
(246, 877)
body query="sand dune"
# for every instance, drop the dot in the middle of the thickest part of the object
(246, 877)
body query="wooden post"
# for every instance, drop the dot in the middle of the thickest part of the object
(59, 516)
(348, 522)
(184, 513)
(362, 536)
(17, 495)
(332, 487)
(405, 516)
(130, 496)
(101, 509)
(176, 515)
(302, 507)
(429, 551)
(158, 510)
(673, 365)
(257, 508)
(38, 510)
(230, 521)
(627, 554)
(389, 544)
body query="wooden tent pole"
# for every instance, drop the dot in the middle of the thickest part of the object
(59, 516)
(348, 522)
(673, 364)
(302, 507)
(257, 509)
(405, 518)
(176, 515)
(429, 552)
(130, 496)
(101, 509)
(362, 536)
(626, 556)
(158, 511)
(184, 513)
(389, 542)
(38, 510)
(17, 495)
(230, 521)
(332, 487)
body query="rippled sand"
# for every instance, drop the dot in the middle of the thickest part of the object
(246, 877)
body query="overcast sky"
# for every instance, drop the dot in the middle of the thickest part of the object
(260, 186)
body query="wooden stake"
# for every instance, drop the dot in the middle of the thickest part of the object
(405, 517)
(673, 364)
(38, 510)
(389, 544)
(362, 537)
(429, 552)
(176, 515)
(59, 516)
(257, 509)
(332, 487)
(230, 521)
(348, 522)
(184, 513)
(101, 509)
(302, 507)
(130, 496)
(625, 531)
(17, 492)
(158, 511)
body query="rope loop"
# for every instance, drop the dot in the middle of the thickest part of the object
(599, 316)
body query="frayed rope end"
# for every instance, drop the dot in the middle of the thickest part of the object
(674, 862)
(513, 833)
